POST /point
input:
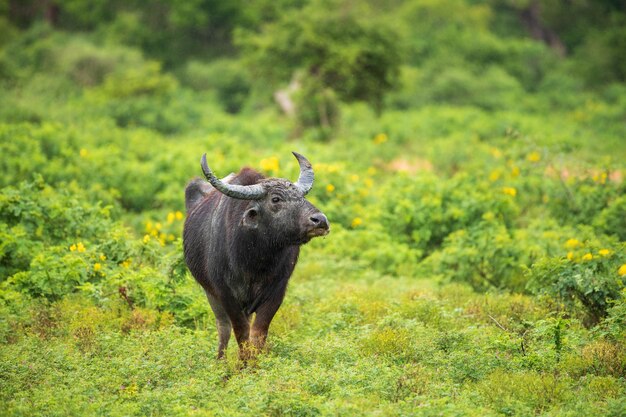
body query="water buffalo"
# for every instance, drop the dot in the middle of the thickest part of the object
(242, 238)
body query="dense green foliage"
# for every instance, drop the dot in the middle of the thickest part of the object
(474, 184)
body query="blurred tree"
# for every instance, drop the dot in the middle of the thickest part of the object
(174, 30)
(590, 31)
(532, 17)
(336, 50)
(169, 30)
(347, 46)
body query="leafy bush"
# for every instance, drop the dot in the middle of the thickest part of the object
(615, 324)
(489, 89)
(226, 77)
(374, 247)
(427, 210)
(35, 215)
(588, 276)
(484, 256)
(611, 220)
(581, 199)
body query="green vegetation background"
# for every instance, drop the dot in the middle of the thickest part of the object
(469, 155)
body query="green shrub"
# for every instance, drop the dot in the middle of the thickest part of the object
(489, 89)
(35, 215)
(427, 210)
(587, 277)
(52, 274)
(89, 64)
(615, 324)
(611, 220)
(484, 256)
(146, 79)
(375, 248)
(226, 77)
(580, 200)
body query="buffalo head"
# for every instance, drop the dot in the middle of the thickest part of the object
(277, 208)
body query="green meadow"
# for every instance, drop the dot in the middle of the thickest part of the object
(472, 172)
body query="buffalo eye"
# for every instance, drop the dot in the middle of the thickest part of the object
(252, 213)
(275, 199)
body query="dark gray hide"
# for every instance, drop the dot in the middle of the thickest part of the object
(242, 250)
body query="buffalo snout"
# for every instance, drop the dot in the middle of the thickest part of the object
(318, 224)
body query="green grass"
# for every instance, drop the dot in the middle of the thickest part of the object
(351, 343)
(357, 343)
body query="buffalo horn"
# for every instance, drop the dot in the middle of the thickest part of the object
(305, 180)
(242, 192)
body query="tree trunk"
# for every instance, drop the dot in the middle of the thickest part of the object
(51, 13)
(531, 18)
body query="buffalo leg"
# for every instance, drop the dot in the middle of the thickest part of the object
(239, 322)
(264, 315)
(223, 325)
(241, 326)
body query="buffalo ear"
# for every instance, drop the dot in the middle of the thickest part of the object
(251, 217)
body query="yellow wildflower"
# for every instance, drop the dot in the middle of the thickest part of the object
(97, 267)
(132, 390)
(488, 216)
(371, 171)
(148, 226)
(333, 168)
(73, 247)
(357, 221)
(495, 152)
(380, 138)
(158, 226)
(572, 243)
(269, 164)
(570, 255)
(354, 178)
(622, 270)
(369, 183)
(126, 263)
(80, 247)
(515, 172)
(171, 237)
(587, 257)
(103, 257)
(146, 239)
(178, 215)
(494, 175)
(604, 252)
(533, 156)
(603, 177)
(509, 191)
(330, 188)
(83, 153)
(170, 218)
